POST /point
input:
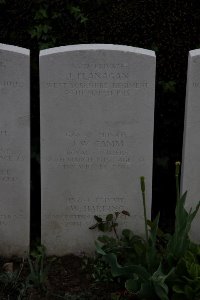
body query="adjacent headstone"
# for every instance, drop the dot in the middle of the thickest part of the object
(97, 117)
(190, 180)
(14, 150)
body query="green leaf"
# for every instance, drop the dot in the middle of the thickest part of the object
(43, 45)
(179, 242)
(139, 249)
(126, 213)
(189, 292)
(46, 28)
(177, 289)
(118, 270)
(41, 14)
(41, 249)
(75, 11)
(56, 15)
(128, 234)
(158, 279)
(168, 86)
(98, 219)
(193, 270)
(104, 239)
(151, 254)
(109, 217)
(93, 226)
(103, 227)
(159, 231)
(147, 291)
(99, 249)
(83, 20)
(154, 230)
(133, 286)
(161, 291)
(189, 257)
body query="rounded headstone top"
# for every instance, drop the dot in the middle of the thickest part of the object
(94, 47)
(194, 52)
(15, 49)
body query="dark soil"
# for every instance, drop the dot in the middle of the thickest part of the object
(66, 276)
(66, 280)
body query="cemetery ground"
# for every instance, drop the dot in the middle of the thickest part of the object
(66, 279)
(125, 266)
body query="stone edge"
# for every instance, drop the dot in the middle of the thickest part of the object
(15, 49)
(94, 47)
(194, 52)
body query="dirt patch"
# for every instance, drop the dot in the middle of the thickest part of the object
(66, 280)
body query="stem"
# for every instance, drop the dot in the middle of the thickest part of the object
(177, 171)
(116, 234)
(115, 231)
(142, 183)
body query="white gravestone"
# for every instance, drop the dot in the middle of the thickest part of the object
(97, 117)
(14, 150)
(190, 180)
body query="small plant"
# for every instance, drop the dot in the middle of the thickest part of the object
(168, 86)
(113, 244)
(11, 282)
(110, 223)
(76, 12)
(97, 268)
(39, 269)
(186, 284)
(150, 270)
(146, 280)
(179, 242)
(42, 30)
(122, 246)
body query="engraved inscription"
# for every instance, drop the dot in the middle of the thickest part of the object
(108, 80)
(23, 120)
(3, 132)
(7, 154)
(7, 176)
(99, 65)
(6, 219)
(101, 198)
(10, 84)
(196, 84)
(96, 75)
(97, 89)
(80, 210)
(89, 151)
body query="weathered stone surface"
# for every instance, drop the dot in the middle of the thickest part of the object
(191, 142)
(14, 150)
(97, 116)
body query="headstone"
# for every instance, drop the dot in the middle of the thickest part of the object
(97, 117)
(14, 150)
(190, 180)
